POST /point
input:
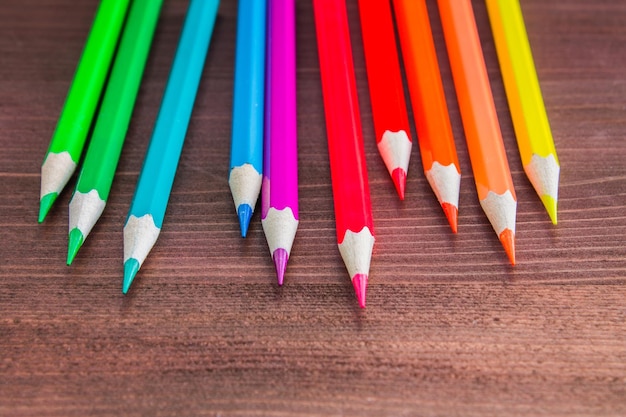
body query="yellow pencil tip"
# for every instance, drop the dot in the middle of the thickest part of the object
(550, 204)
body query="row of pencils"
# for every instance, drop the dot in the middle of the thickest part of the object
(264, 136)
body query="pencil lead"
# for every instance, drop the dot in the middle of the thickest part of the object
(452, 213)
(507, 238)
(280, 257)
(45, 204)
(76, 240)
(359, 282)
(399, 180)
(550, 204)
(244, 211)
(131, 267)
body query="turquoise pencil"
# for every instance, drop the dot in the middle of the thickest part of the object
(145, 217)
(246, 151)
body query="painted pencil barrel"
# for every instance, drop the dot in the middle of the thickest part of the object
(343, 123)
(248, 98)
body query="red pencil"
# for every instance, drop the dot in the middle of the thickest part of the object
(391, 121)
(353, 209)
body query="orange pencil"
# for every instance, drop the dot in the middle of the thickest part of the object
(480, 121)
(432, 122)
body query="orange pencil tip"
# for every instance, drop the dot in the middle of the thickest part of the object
(359, 282)
(399, 180)
(452, 213)
(507, 238)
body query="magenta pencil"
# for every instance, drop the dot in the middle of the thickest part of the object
(279, 194)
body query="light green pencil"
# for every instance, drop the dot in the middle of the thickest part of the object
(73, 126)
(96, 176)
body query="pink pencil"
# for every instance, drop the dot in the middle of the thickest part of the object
(279, 195)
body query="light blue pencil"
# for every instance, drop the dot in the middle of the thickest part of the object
(246, 152)
(147, 209)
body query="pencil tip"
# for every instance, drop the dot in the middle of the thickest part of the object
(507, 238)
(76, 240)
(452, 214)
(244, 211)
(359, 282)
(550, 204)
(131, 267)
(45, 204)
(399, 180)
(280, 257)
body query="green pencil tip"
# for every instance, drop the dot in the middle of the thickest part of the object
(76, 240)
(550, 204)
(45, 204)
(131, 267)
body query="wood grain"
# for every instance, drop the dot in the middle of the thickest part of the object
(450, 328)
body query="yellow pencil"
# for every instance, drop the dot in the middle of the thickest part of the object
(534, 137)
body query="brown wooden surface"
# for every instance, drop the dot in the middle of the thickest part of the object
(450, 328)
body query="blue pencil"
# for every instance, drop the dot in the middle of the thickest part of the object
(246, 152)
(147, 209)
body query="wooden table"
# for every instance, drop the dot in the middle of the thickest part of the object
(450, 327)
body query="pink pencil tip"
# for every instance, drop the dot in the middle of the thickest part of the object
(399, 180)
(280, 257)
(452, 213)
(359, 282)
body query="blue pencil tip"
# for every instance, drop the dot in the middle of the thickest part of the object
(244, 211)
(131, 267)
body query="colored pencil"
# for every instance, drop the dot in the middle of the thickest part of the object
(391, 121)
(68, 139)
(432, 122)
(279, 196)
(105, 147)
(145, 217)
(480, 121)
(532, 129)
(246, 152)
(353, 209)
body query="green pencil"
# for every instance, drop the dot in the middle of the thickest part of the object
(96, 177)
(73, 126)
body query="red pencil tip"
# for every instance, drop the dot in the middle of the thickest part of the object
(507, 238)
(399, 180)
(452, 213)
(280, 257)
(359, 282)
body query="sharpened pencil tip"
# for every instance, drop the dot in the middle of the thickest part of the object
(359, 282)
(244, 211)
(131, 267)
(76, 240)
(280, 257)
(45, 204)
(507, 238)
(550, 204)
(399, 180)
(452, 214)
